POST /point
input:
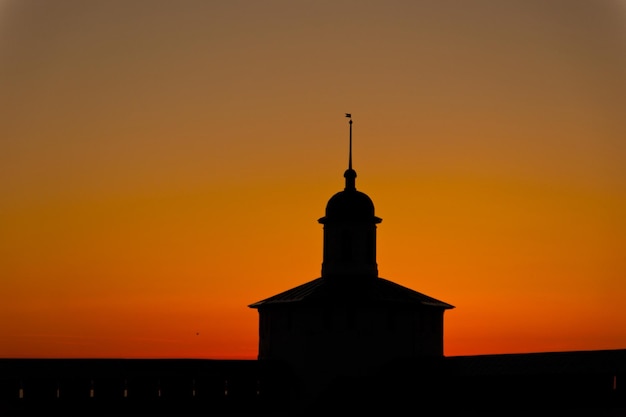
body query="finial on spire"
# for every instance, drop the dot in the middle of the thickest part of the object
(350, 174)
(348, 115)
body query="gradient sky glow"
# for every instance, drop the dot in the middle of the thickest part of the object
(163, 164)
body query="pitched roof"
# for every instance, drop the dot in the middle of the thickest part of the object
(366, 290)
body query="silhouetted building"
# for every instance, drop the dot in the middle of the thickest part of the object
(349, 321)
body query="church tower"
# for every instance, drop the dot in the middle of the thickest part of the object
(349, 321)
(349, 231)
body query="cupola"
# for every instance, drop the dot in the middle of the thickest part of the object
(349, 231)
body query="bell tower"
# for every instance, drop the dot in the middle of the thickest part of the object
(349, 231)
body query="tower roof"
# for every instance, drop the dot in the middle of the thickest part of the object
(371, 292)
(349, 205)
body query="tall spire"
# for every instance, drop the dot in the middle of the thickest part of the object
(350, 149)
(350, 174)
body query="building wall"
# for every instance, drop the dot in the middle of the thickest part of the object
(323, 342)
(359, 338)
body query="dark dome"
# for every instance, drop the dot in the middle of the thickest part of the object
(350, 204)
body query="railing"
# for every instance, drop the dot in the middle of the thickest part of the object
(89, 387)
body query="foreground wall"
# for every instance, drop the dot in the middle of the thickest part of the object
(553, 384)
(44, 387)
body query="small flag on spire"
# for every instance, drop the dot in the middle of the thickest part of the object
(348, 115)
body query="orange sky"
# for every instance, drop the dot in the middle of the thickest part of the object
(163, 165)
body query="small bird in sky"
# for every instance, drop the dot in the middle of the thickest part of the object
(348, 115)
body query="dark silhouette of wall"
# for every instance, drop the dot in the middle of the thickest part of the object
(44, 387)
(589, 383)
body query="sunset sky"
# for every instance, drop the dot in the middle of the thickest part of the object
(163, 165)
